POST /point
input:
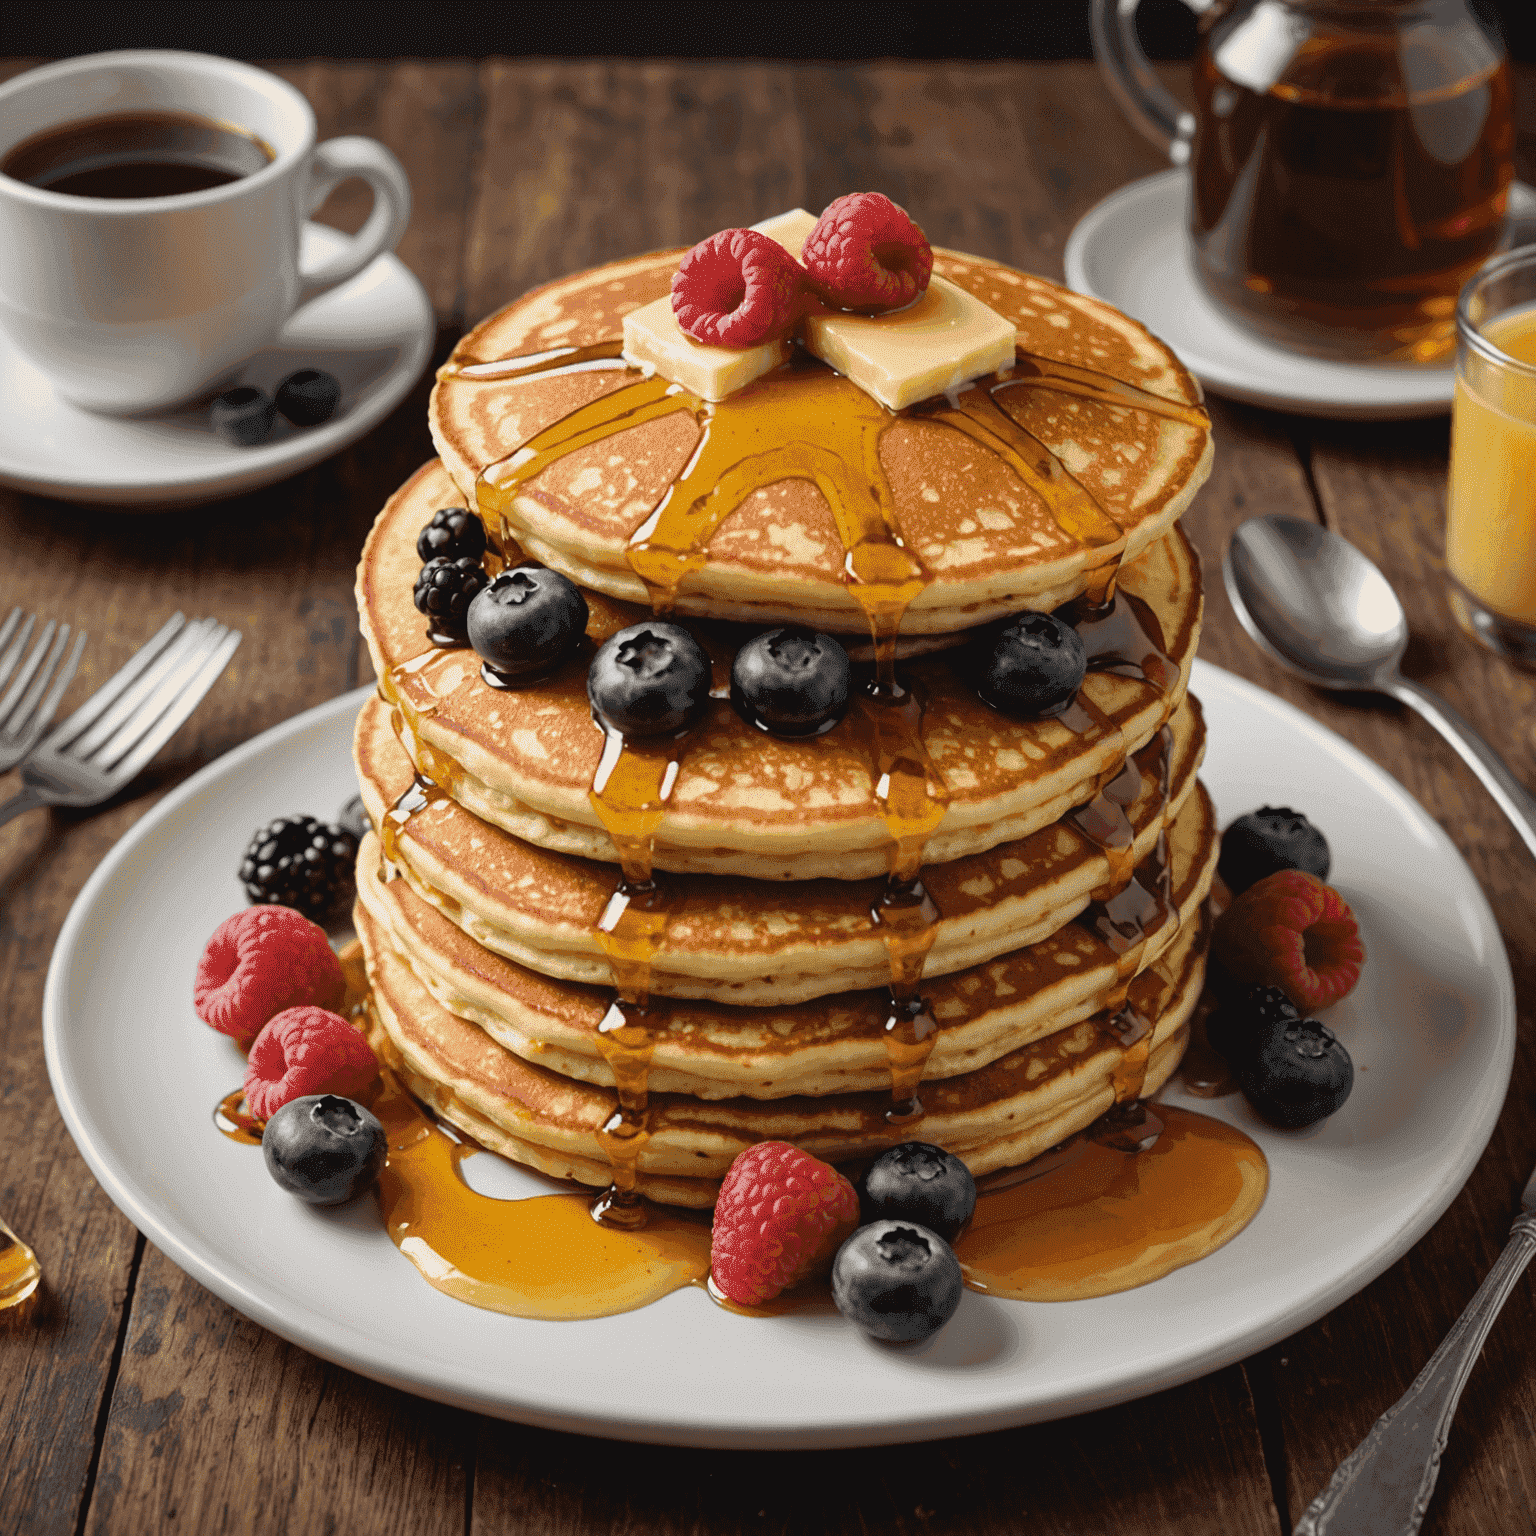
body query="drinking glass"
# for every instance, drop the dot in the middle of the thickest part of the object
(1490, 532)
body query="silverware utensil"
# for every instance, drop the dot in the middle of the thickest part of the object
(24, 710)
(105, 743)
(1384, 1486)
(1321, 608)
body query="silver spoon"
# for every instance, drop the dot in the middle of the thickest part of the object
(1319, 607)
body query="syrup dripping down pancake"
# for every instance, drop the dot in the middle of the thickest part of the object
(990, 543)
(999, 1116)
(746, 803)
(827, 1045)
(746, 941)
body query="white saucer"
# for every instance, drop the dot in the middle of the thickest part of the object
(374, 333)
(1132, 251)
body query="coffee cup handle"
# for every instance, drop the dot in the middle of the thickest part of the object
(336, 161)
(1152, 109)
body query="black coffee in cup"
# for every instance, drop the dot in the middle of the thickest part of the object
(137, 154)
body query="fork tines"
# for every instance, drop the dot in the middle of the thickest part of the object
(28, 703)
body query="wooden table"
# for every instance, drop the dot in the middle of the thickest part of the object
(131, 1400)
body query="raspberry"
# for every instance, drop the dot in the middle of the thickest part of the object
(781, 1215)
(737, 289)
(1293, 932)
(258, 963)
(866, 254)
(303, 1051)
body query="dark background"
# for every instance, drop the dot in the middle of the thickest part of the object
(789, 29)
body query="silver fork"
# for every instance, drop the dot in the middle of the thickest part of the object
(24, 711)
(95, 752)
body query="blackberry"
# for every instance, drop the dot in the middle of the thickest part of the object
(454, 533)
(444, 591)
(303, 863)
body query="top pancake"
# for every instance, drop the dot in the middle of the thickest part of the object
(988, 542)
(746, 803)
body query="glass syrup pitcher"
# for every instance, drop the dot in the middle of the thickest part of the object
(1350, 163)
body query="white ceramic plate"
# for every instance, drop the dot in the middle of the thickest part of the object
(374, 333)
(1132, 251)
(1431, 1028)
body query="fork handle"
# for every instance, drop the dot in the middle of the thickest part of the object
(1383, 1487)
(27, 800)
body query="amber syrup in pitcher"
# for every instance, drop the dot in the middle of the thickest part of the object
(1350, 172)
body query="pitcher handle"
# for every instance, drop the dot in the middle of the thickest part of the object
(1152, 109)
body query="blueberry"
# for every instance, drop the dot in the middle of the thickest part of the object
(454, 533)
(1035, 666)
(308, 397)
(1266, 841)
(242, 416)
(1235, 1029)
(1298, 1075)
(527, 621)
(896, 1280)
(444, 591)
(922, 1183)
(324, 1149)
(650, 680)
(791, 682)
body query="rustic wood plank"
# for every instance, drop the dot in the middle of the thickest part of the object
(1176, 1462)
(219, 1427)
(585, 162)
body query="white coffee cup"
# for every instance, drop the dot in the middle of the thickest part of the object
(135, 304)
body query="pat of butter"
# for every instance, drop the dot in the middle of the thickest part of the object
(653, 338)
(947, 338)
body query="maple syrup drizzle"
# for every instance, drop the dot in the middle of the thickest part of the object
(236, 1121)
(20, 1272)
(1032, 371)
(1146, 1190)
(630, 789)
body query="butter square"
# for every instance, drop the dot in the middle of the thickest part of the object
(652, 337)
(947, 338)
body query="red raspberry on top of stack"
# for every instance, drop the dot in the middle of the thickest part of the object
(865, 254)
(737, 289)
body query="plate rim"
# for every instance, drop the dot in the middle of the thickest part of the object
(350, 1347)
(267, 463)
(1433, 400)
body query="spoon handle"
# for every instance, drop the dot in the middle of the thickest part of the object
(1383, 1487)
(1513, 798)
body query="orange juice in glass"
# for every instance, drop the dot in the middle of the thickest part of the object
(1490, 532)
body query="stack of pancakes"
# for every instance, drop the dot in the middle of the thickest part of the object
(1060, 865)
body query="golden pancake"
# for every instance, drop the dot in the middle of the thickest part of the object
(754, 942)
(828, 1045)
(746, 803)
(1021, 490)
(1003, 1114)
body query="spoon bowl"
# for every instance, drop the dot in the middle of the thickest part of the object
(1314, 602)
(1319, 607)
